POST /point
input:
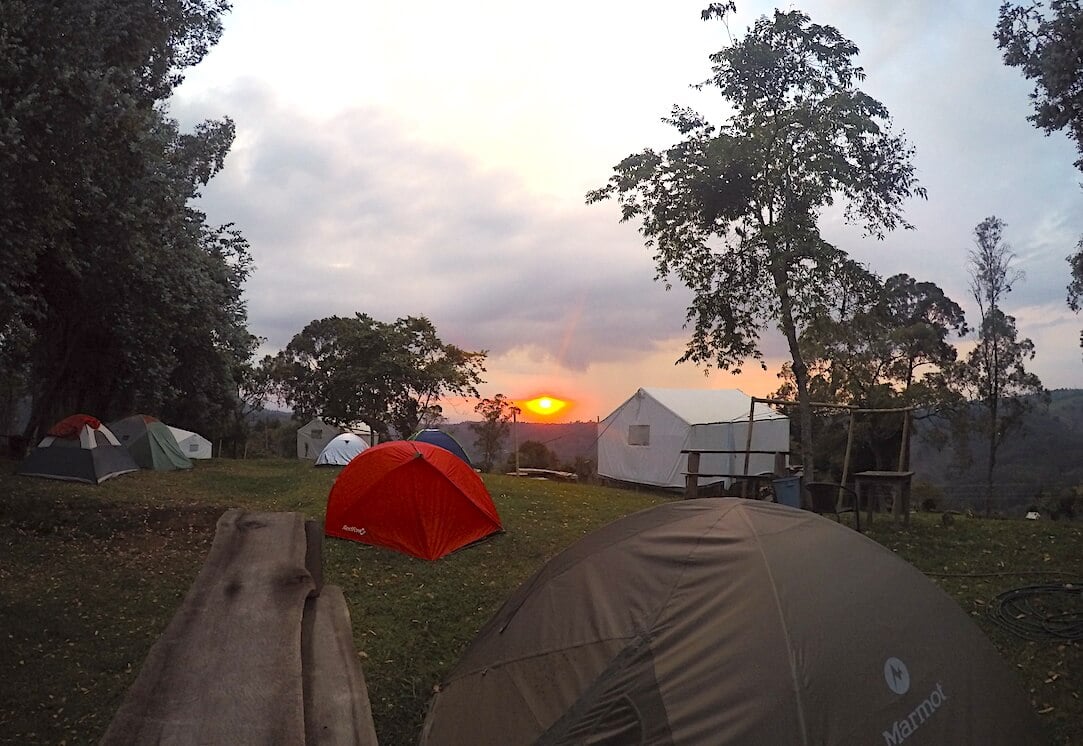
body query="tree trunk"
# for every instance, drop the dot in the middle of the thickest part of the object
(993, 412)
(800, 374)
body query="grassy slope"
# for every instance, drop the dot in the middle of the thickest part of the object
(91, 576)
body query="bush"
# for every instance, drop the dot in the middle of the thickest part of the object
(927, 497)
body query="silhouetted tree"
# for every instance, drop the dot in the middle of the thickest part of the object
(115, 294)
(1046, 44)
(731, 211)
(994, 373)
(493, 428)
(348, 370)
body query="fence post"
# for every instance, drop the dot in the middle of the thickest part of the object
(780, 463)
(691, 478)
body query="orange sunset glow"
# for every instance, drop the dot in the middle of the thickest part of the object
(545, 405)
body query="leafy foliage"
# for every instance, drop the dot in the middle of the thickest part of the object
(495, 413)
(731, 211)
(1046, 44)
(994, 372)
(885, 346)
(116, 295)
(534, 454)
(389, 376)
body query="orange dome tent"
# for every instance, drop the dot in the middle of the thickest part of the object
(413, 497)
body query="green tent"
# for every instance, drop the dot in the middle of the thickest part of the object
(150, 442)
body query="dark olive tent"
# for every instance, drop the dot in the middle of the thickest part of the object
(725, 621)
(79, 448)
(151, 443)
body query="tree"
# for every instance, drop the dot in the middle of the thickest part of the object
(885, 346)
(116, 295)
(534, 454)
(994, 373)
(731, 211)
(493, 428)
(1046, 44)
(390, 376)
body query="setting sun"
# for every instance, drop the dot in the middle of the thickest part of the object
(545, 405)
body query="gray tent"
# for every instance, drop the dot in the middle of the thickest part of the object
(722, 621)
(78, 449)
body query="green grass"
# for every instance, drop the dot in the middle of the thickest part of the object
(92, 575)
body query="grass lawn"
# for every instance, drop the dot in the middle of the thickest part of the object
(91, 576)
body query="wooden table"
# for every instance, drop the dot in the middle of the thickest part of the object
(893, 479)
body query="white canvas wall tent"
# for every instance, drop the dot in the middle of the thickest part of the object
(79, 448)
(642, 440)
(192, 445)
(341, 450)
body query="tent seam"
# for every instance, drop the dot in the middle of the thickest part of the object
(537, 576)
(785, 631)
(540, 654)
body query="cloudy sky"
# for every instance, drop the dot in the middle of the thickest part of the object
(431, 158)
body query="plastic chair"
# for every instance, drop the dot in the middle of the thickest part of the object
(833, 498)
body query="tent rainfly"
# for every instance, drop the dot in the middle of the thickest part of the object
(192, 445)
(445, 440)
(79, 448)
(642, 440)
(412, 497)
(152, 444)
(729, 621)
(341, 450)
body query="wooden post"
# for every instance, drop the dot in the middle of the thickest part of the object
(748, 435)
(904, 446)
(846, 466)
(902, 504)
(780, 464)
(691, 479)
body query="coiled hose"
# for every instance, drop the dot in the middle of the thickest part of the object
(1050, 612)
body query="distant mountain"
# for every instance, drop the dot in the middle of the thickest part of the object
(567, 440)
(1046, 456)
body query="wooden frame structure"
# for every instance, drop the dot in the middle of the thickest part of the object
(899, 478)
(904, 447)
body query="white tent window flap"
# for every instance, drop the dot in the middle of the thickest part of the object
(317, 432)
(639, 435)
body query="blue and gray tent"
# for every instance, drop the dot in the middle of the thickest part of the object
(438, 437)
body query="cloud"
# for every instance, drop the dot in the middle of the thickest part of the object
(398, 167)
(353, 214)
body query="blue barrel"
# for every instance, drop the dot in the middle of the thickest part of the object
(788, 491)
